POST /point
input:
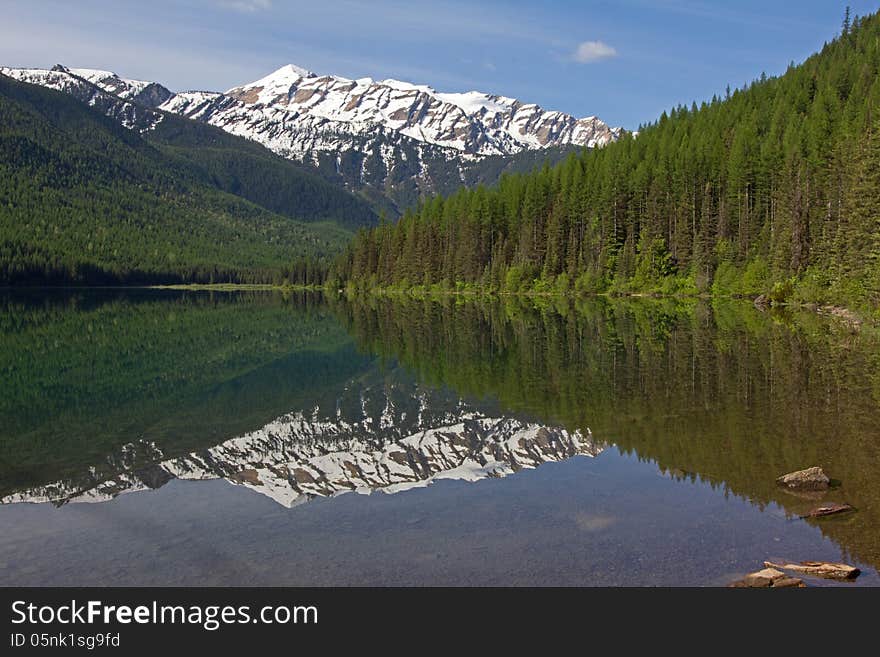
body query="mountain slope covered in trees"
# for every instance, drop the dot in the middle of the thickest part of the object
(245, 168)
(333, 134)
(84, 199)
(774, 188)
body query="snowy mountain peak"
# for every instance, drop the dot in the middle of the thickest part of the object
(474, 102)
(368, 133)
(293, 69)
(473, 123)
(123, 100)
(400, 85)
(127, 89)
(286, 76)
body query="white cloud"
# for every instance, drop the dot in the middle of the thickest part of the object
(588, 52)
(247, 6)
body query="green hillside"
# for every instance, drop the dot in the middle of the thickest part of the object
(85, 200)
(774, 188)
(247, 169)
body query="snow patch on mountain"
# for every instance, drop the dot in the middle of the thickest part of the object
(396, 137)
(120, 99)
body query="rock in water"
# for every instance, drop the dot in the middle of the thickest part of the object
(760, 580)
(810, 479)
(789, 583)
(828, 509)
(818, 569)
(764, 577)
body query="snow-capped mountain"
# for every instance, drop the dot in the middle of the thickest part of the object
(118, 99)
(409, 443)
(382, 134)
(307, 106)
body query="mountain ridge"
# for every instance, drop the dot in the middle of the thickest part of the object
(472, 122)
(393, 142)
(86, 198)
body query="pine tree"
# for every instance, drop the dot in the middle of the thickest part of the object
(771, 182)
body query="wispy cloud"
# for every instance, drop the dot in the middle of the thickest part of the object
(588, 52)
(246, 6)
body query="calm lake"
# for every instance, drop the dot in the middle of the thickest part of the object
(196, 438)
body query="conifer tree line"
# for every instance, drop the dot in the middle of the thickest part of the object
(773, 188)
(86, 201)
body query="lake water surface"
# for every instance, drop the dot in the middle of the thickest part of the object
(194, 438)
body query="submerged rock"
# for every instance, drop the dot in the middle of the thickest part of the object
(810, 479)
(789, 583)
(823, 569)
(767, 578)
(828, 509)
(764, 577)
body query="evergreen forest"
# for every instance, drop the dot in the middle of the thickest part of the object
(772, 189)
(84, 200)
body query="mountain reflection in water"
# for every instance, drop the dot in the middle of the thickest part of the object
(297, 457)
(301, 397)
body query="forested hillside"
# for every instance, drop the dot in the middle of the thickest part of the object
(392, 191)
(247, 169)
(774, 188)
(85, 200)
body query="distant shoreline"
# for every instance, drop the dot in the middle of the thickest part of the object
(234, 287)
(207, 287)
(850, 316)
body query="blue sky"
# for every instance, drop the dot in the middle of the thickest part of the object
(624, 61)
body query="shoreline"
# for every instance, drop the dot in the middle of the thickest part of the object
(216, 287)
(854, 318)
(235, 287)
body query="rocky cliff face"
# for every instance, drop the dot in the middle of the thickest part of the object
(294, 106)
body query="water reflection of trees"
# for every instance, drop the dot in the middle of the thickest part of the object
(87, 372)
(722, 393)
